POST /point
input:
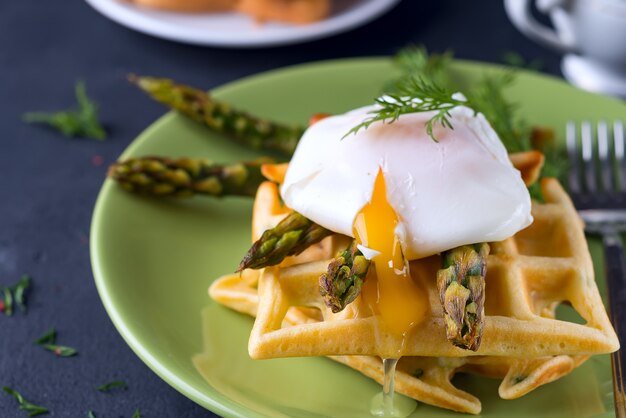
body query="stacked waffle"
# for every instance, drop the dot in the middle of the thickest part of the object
(528, 276)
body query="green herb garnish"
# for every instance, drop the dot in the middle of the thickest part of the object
(7, 297)
(20, 290)
(15, 294)
(73, 122)
(414, 95)
(60, 350)
(90, 414)
(514, 59)
(116, 384)
(422, 74)
(516, 134)
(33, 410)
(416, 60)
(48, 340)
(488, 99)
(137, 414)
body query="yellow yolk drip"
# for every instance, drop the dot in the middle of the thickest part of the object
(389, 292)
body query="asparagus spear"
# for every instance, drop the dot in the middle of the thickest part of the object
(250, 130)
(159, 176)
(342, 283)
(461, 281)
(291, 236)
(461, 284)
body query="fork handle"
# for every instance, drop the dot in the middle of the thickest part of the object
(615, 263)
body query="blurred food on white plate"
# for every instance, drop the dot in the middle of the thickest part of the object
(291, 11)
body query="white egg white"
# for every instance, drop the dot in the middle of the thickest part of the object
(462, 189)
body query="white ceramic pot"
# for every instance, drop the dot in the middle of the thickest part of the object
(592, 34)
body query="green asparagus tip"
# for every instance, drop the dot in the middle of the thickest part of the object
(291, 236)
(461, 285)
(342, 283)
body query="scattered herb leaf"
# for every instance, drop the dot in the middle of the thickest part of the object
(90, 414)
(60, 350)
(116, 384)
(137, 414)
(14, 295)
(8, 301)
(33, 410)
(20, 291)
(73, 122)
(48, 340)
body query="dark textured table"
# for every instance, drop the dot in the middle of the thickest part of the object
(49, 183)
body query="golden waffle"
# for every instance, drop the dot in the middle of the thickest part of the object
(426, 379)
(528, 276)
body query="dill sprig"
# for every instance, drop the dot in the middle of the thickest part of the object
(82, 121)
(487, 98)
(416, 60)
(32, 409)
(420, 88)
(414, 95)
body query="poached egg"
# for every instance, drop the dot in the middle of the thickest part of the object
(460, 190)
(404, 196)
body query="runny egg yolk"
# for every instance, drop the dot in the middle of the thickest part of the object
(390, 291)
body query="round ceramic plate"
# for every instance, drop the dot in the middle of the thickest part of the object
(236, 29)
(153, 260)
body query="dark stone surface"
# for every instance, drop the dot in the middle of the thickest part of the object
(49, 183)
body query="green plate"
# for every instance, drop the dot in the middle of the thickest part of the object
(154, 260)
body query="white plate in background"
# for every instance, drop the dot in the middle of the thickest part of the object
(236, 29)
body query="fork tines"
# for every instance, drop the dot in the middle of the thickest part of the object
(598, 164)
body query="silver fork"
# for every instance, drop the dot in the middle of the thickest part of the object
(597, 180)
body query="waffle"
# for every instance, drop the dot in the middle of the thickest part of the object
(426, 379)
(528, 276)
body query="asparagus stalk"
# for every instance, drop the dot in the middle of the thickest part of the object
(342, 283)
(461, 284)
(247, 129)
(461, 281)
(291, 236)
(185, 177)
